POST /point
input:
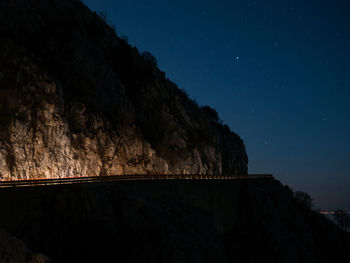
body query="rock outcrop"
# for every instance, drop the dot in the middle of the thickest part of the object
(76, 100)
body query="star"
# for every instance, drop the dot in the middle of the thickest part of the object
(237, 58)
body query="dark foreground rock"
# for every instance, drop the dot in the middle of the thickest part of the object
(13, 250)
(171, 221)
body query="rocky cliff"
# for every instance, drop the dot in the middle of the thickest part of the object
(77, 100)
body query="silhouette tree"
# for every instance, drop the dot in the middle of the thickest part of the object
(342, 218)
(304, 199)
(148, 56)
(103, 16)
(125, 38)
(211, 113)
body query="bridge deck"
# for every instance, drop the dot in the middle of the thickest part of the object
(98, 179)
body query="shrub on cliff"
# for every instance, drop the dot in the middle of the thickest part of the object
(125, 38)
(104, 17)
(148, 56)
(304, 199)
(211, 113)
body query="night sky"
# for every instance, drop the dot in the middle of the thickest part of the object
(276, 71)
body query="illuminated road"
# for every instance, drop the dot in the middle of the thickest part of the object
(100, 179)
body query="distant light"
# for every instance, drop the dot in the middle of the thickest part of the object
(331, 212)
(237, 58)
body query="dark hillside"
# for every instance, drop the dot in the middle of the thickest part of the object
(177, 221)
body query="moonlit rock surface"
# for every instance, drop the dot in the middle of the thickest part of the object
(75, 100)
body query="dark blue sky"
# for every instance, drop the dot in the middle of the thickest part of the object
(276, 71)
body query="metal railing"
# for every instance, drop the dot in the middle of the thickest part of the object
(135, 177)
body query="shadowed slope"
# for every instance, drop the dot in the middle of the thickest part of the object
(177, 221)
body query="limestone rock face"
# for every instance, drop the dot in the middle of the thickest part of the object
(76, 100)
